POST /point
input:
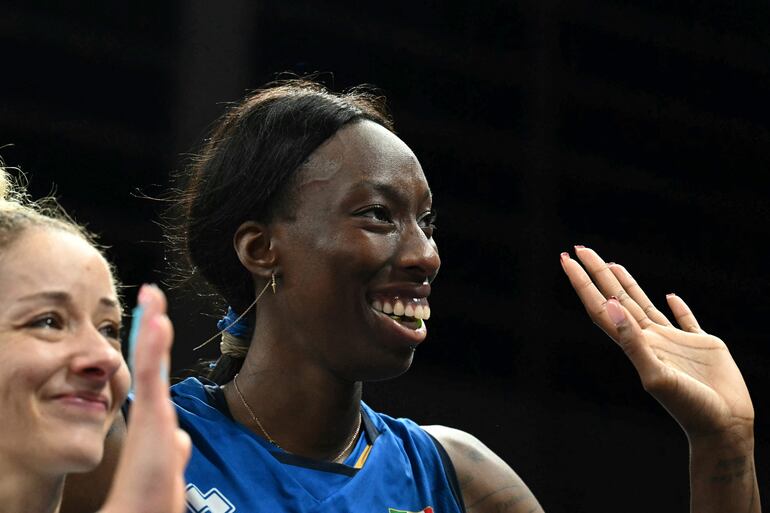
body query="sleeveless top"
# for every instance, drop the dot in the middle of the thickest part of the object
(396, 466)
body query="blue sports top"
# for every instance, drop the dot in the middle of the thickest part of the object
(231, 469)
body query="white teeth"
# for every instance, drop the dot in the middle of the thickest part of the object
(412, 309)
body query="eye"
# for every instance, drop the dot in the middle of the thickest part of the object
(427, 222)
(377, 213)
(47, 321)
(110, 330)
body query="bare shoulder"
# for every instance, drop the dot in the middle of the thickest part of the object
(487, 483)
(87, 492)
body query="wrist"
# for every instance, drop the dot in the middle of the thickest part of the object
(738, 439)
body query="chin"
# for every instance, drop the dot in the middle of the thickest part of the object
(79, 453)
(395, 367)
(82, 461)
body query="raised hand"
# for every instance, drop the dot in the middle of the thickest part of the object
(690, 372)
(150, 475)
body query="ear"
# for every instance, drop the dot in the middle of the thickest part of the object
(255, 249)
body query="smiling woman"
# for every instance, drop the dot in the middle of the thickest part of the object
(62, 376)
(314, 222)
(311, 194)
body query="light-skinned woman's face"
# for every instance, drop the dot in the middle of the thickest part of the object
(62, 376)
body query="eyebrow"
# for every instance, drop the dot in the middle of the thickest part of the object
(386, 189)
(65, 297)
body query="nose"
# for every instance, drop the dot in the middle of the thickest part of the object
(96, 359)
(419, 254)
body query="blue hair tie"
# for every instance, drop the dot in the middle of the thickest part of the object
(233, 326)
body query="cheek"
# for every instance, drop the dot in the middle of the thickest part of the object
(28, 367)
(23, 374)
(359, 254)
(373, 258)
(365, 250)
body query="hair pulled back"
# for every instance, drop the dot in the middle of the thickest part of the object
(245, 171)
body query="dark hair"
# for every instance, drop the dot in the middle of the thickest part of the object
(245, 171)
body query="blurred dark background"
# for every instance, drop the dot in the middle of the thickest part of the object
(639, 128)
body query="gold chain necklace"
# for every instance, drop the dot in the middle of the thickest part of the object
(272, 441)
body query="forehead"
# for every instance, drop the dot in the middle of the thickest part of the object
(45, 259)
(362, 153)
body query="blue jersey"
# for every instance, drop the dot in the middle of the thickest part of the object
(396, 466)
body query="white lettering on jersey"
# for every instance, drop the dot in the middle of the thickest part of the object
(210, 502)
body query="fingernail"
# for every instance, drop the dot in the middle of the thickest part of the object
(579, 246)
(144, 296)
(611, 263)
(564, 256)
(670, 294)
(614, 310)
(613, 297)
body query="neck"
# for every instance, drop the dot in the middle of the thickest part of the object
(304, 409)
(22, 490)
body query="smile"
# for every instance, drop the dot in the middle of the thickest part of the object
(408, 312)
(84, 402)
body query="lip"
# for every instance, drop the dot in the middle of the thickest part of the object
(410, 337)
(400, 290)
(84, 401)
(403, 290)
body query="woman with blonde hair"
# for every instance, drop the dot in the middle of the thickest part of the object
(62, 376)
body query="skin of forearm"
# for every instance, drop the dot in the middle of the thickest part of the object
(722, 473)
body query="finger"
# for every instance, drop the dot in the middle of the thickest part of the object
(683, 315)
(608, 284)
(183, 445)
(631, 339)
(153, 344)
(633, 289)
(593, 300)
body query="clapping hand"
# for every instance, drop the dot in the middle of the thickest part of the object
(150, 473)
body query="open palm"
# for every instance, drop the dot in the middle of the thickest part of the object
(690, 372)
